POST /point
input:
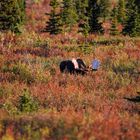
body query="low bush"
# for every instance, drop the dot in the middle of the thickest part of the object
(10, 108)
(118, 80)
(23, 72)
(20, 70)
(83, 48)
(124, 67)
(27, 103)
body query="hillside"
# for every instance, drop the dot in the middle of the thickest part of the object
(37, 102)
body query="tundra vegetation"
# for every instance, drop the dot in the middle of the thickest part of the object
(38, 102)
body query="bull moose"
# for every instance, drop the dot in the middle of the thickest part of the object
(77, 66)
(74, 66)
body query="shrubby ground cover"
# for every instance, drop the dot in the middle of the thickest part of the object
(38, 102)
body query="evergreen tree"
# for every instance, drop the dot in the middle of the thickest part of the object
(68, 14)
(81, 6)
(114, 25)
(94, 14)
(132, 25)
(11, 15)
(105, 6)
(53, 25)
(121, 11)
(137, 2)
(22, 6)
(84, 27)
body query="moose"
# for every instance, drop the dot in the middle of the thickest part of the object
(74, 66)
(77, 66)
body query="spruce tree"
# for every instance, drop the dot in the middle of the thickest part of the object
(53, 25)
(114, 24)
(132, 24)
(84, 27)
(11, 16)
(121, 11)
(68, 14)
(105, 6)
(81, 6)
(94, 14)
(22, 6)
(137, 2)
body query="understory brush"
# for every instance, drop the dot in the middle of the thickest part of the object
(37, 101)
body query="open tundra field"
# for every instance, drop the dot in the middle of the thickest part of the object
(38, 102)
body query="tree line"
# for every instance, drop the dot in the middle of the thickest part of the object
(87, 16)
(12, 15)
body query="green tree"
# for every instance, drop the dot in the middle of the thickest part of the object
(84, 27)
(11, 15)
(132, 24)
(114, 25)
(105, 7)
(121, 11)
(94, 14)
(22, 6)
(137, 2)
(53, 25)
(27, 103)
(81, 6)
(69, 15)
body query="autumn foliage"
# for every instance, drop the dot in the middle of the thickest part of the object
(37, 102)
